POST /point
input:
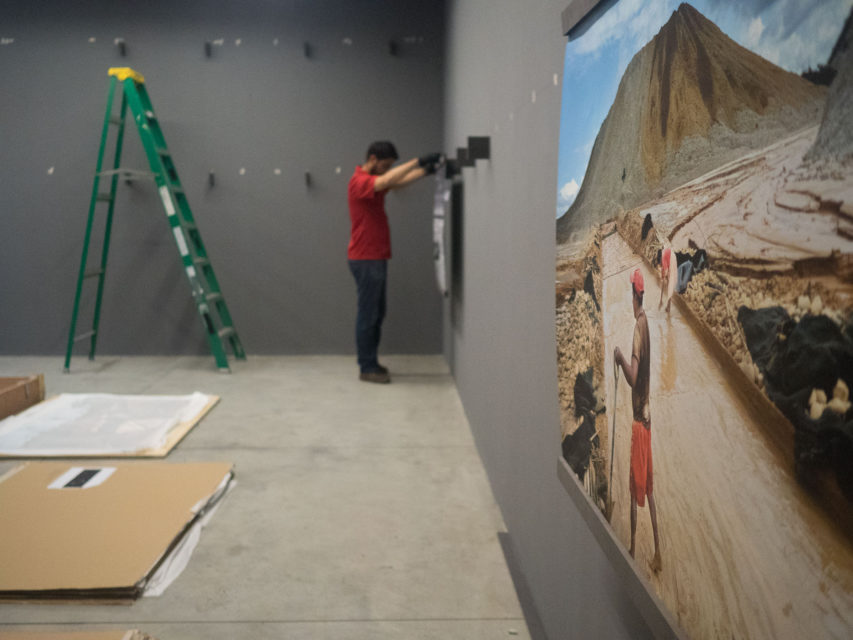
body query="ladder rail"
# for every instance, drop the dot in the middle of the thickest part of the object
(139, 109)
(87, 237)
(209, 276)
(182, 223)
(108, 228)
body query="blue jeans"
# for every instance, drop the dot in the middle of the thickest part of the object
(370, 279)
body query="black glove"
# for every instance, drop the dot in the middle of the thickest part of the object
(429, 159)
(430, 169)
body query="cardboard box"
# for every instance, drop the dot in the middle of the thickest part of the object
(92, 531)
(17, 394)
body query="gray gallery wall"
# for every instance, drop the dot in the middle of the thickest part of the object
(501, 341)
(278, 247)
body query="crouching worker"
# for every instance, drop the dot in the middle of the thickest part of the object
(673, 276)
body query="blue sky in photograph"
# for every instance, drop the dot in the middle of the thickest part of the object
(794, 34)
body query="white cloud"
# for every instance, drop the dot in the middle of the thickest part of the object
(566, 196)
(791, 33)
(753, 34)
(795, 35)
(610, 26)
(586, 148)
(645, 26)
(630, 25)
(569, 190)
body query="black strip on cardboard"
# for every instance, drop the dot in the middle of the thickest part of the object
(81, 478)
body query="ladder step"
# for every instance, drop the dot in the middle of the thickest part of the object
(226, 332)
(115, 120)
(93, 272)
(129, 174)
(201, 262)
(213, 297)
(83, 336)
(163, 151)
(105, 197)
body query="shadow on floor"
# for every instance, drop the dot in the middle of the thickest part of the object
(525, 598)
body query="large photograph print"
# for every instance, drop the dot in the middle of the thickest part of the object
(704, 305)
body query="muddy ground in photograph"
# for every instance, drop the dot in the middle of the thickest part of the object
(746, 551)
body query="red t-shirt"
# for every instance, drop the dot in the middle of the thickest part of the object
(370, 237)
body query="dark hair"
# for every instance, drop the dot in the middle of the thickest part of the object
(638, 294)
(657, 258)
(382, 150)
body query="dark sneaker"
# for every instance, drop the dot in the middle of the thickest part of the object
(382, 369)
(375, 376)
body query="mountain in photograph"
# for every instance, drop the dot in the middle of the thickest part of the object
(689, 101)
(835, 138)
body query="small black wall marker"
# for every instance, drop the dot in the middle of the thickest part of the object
(208, 49)
(306, 49)
(393, 48)
(211, 178)
(122, 47)
(462, 157)
(308, 179)
(479, 148)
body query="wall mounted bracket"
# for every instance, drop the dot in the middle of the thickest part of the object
(479, 148)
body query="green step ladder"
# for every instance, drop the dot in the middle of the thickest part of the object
(205, 289)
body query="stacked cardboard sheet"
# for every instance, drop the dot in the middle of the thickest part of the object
(102, 531)
(102, 425)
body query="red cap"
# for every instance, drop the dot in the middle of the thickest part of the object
(637, 280)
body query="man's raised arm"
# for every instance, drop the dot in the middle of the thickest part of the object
(407, 172)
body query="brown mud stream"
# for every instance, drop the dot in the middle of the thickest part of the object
(746, 552)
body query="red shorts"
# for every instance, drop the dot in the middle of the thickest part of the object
(640, 481)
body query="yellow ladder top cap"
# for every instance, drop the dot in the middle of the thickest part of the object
(123, 73)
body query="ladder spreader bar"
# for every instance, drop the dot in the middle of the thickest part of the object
(129, 174)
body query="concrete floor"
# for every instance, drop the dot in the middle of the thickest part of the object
(361, 511)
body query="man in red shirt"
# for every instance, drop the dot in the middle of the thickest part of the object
(370, 243)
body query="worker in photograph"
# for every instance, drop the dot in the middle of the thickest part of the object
(637, 373)
(668, 276)
(370, 243)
